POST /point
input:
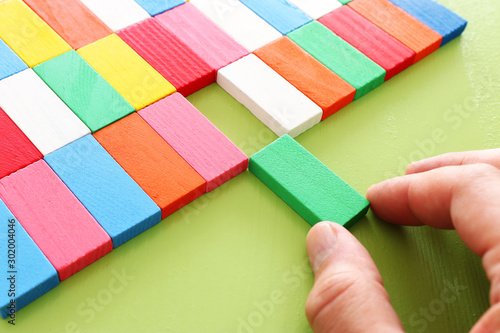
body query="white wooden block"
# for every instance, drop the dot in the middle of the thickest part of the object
(39, 113)
(272, 99)
(317, 8)
(117, 14)
(238, 21)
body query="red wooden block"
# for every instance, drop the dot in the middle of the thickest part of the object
(16, 150)
(205, 38)
(196, 139)
(74, 22)
(368, 38)
(173, 59)
(58, 223)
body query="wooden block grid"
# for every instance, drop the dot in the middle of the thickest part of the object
(191, 176)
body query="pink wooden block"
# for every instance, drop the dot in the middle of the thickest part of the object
(205, 38)
(58, 223)
(196, 139)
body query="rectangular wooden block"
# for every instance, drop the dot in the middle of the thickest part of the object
(281, 14)
(117, 14)
(196, 139)
(173, 59)
(205, 38)
(114, 199)
(339, 56)
(87, 94)
(238, 21)
(400, 25)
(162, 173)
(307, 185)
(155, 7)
(27, 34)
(58, 223)
(304, 72)
(24, 266)
(436, 16)
(316, 8)
(16, 150)
(135, 79)
(272, 99)
(74, 22)
(39, 113)
(10, 63)
(372, 41)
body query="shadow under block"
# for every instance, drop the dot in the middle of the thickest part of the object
(304, 72)
(308, 186)
(173, 59)
(58, 223)
(372, 41)
(33, 274)
(135, 79)
(16, 150)
(155, 7)
(117, 14)
(238, 21)
(162, 173)
(74, 22)
(196, 139)
(205, 38)
(436, 16)
(114, 199)
(281, 14)
(86, 93)
(400, 25)
(340, 57)
(316, 8)
(27, 34)
(272, 99)
(10, 63)
(38, 112)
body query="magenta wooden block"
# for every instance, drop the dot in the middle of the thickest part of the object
(196, 139)
(54, 218)
(205, 38)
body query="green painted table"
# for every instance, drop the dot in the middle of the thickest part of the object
(235, 259)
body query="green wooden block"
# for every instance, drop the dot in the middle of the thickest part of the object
(344, 2)
(85, 92)
(340, 57)
(306, 184)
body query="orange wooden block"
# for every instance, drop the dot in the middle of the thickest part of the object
(74, 22)
(162, 173)
(400, 25)
(325, 88)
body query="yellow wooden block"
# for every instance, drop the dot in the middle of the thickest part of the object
(138, 82)
(28, 35)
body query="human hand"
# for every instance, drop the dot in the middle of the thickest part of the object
(457, 190)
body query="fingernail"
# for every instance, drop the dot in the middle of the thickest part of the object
(322, 244)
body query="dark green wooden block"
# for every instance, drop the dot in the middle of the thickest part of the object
(306, 184)
(85, 92)
(340, 57)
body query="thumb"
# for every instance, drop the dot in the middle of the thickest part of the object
(348, 293)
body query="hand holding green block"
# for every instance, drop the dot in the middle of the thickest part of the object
(306, 184)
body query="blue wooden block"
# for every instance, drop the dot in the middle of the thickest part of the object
(281, 14)
(10, 63)
(436, 16)
(155, 7)
(31, 274)
(115, 200)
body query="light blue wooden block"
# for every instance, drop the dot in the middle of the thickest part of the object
(10, 63)
(435, 16)
(155, 7)
(281, 14)
(33, 274)
(115, 200)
